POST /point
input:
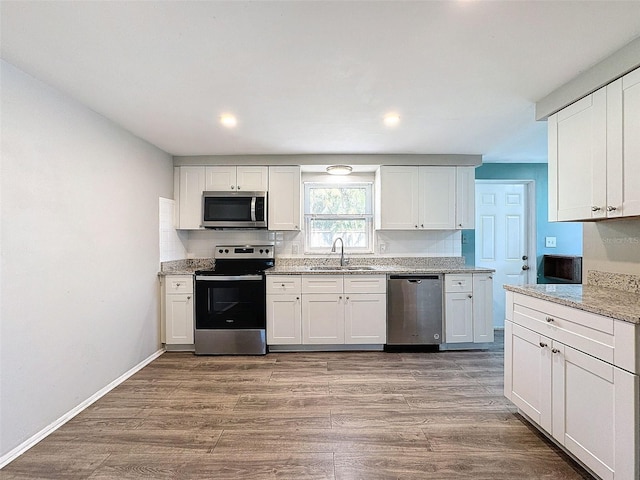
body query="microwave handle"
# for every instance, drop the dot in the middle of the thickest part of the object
(253, 209)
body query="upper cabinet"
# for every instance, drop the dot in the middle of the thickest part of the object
(284, 198)
(594, 154)
(424, 197)
(188, 185)
(229, 178)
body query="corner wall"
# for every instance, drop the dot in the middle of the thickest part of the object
(79, 298)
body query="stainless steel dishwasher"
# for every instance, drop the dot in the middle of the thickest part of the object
(414, 309)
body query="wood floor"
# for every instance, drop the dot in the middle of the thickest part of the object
(303, 416)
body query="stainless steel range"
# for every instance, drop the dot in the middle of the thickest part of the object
(231, 301)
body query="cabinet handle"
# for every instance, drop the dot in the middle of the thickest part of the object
(555, 350)
(549, 319)
(611, 209)
(340, 297)
(422, 225)
(460, 225)
(233, 187)
(189, 297)
(416, 226)
(470, 296)
(283, 285)
(297, 298)
(238, 187)
(295, 226)
(543, 345)
(595, 209)
(490, 277)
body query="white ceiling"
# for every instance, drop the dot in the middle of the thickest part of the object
(318, 76)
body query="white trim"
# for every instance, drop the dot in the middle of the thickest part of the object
(49, 429)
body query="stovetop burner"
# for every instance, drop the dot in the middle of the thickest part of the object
(241, 260)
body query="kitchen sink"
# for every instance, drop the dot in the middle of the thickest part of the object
(338, 268)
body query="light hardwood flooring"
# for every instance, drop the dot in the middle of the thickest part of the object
(298, 416)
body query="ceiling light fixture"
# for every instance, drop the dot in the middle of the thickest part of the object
(391, 119)
(228, 121)
(339, 169)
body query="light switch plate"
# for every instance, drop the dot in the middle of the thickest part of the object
(550, 242)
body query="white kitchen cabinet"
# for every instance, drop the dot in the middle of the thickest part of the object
(594, 154)
(189, 182)
(623, 146)
(223, 178)
(334, 309)
(284, 310)
(586, 403)
(465, 197)
(469, 308)
(420, 197)
(177, 312)
(284, 198)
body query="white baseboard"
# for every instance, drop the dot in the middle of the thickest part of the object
(49, 429)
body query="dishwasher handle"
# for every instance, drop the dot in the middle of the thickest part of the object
(415, 278)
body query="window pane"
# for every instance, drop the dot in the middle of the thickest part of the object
(338, 201)
(354, 233)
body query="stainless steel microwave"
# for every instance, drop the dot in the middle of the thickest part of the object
(234, 209)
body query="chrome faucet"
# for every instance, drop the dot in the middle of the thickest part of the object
(333, 250)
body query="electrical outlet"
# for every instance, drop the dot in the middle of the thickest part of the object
(550, 242)
(295, 248)
(383, 247)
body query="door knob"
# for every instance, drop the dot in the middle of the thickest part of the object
(525, 267)
(525, 257)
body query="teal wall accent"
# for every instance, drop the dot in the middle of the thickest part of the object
(568, 234)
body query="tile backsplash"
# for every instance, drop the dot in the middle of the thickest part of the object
(430, 243)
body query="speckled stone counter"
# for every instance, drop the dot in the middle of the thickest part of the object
(372, 265)
(618, 304)
(185, 267)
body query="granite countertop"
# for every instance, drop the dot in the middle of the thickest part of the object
(618, 304)
(371, 270)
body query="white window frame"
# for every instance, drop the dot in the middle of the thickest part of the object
(367, 216)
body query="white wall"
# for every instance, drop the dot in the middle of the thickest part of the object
(611, 246)
(79, 292)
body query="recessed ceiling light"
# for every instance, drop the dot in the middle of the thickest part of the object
(339, 170)
(391, 119)
(228, 120)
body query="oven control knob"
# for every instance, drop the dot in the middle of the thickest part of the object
(220, 251)
(266, 251)
(226, 250)
(261, 251)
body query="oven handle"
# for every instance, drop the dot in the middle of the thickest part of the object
(224, 278)
(253, 209)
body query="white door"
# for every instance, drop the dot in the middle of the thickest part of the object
(502, 220)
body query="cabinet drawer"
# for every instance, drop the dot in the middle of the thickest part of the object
(179, 284)
(365, 284)
(281, 284)
(321, 283)
(584, 331)
(458, 283)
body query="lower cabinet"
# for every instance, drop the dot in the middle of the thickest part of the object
(469, 308)
(177, 312)
(326, 309)
(587, 405)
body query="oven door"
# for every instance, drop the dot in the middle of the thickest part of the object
(230, 302)
(234, 209)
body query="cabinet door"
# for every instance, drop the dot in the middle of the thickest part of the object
(527, 373)
(179, 319)
(595, 412)
(458, 317)
(397, 198)
(284, 314)
(577, 159)
(437, 198)
(365, 318)
(623, 146)
(465, 197)
(221, 178)
(482, 308)
(284, 198)
(190, 197)
(252, 178)
(322, 318)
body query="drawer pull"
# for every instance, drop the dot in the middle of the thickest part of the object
(555, 350)
(543, 345)
(470, 296)
(549, 319)
(189, 297)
